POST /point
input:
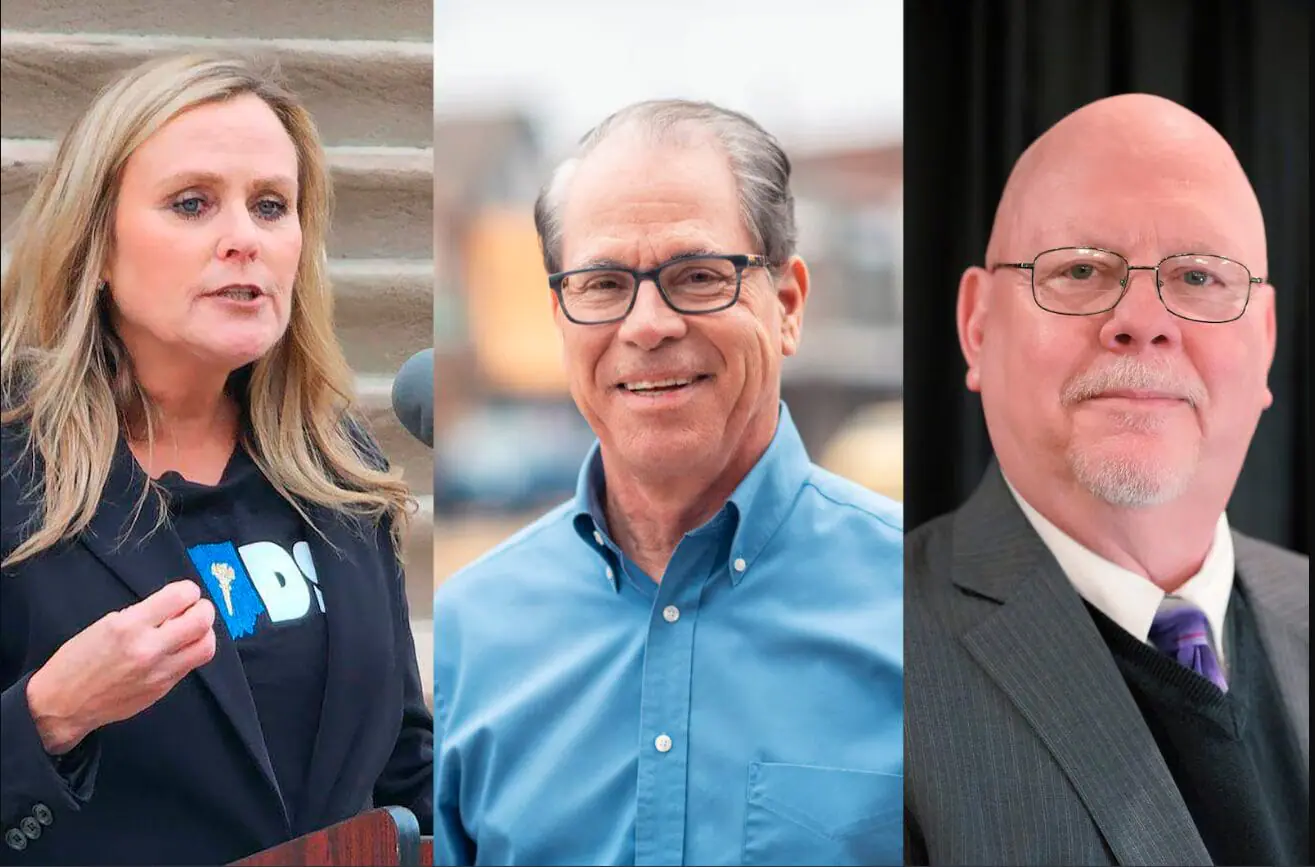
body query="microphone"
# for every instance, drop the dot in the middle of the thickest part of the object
(413, 396)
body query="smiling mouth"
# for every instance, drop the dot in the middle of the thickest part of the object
(661, 386)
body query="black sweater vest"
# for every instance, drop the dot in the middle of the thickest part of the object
(1233, 755)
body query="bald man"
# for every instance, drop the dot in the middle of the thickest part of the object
(1098, 669)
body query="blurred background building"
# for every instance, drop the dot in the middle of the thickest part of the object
(828, 84)
(365, 70)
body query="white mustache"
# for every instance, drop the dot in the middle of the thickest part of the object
(1129, 373)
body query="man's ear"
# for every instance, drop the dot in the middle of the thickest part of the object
(792, 295)
(970, 315)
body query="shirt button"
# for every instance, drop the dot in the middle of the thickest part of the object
(739, 564)
(598, 537)
(663, 744)
(610, 573)
(671, 614)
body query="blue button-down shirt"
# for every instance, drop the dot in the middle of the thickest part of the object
(746, 710)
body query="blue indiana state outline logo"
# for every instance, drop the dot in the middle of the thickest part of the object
(230, 587)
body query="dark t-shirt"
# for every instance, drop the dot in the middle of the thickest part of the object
(250, 548)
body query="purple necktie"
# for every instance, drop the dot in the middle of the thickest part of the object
(1184, 634)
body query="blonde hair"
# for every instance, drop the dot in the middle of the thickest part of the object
(65, 373)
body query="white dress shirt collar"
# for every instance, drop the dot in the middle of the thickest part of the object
(1131, 600)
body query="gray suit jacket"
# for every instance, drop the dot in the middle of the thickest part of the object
(1022, 743)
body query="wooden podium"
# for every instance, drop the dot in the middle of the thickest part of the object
(385, 837)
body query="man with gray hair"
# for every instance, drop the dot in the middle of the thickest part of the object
(697, 659)
(1100, 670)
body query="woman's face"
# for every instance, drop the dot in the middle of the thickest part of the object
(207, 238)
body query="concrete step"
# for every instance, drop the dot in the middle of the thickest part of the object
(385, 196)
(384, 309)
(419, 557)
(385, 202)
(332, 19)
(358, 91)
(374, 394)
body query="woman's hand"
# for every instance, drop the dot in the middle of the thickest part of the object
(121, 664)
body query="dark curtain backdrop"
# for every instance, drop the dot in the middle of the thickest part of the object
(982, 80)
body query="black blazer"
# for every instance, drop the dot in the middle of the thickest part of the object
(188, 780)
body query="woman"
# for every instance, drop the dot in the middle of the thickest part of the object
(205, 645)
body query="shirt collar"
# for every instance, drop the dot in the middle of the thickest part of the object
(758, 504)
(1129, 599)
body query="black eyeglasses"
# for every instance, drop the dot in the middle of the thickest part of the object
(1085, 281)
(692, 285)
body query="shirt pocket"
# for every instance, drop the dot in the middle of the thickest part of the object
(804, 814)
